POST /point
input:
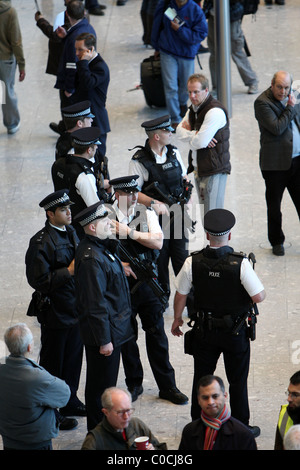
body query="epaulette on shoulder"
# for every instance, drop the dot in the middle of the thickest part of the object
(240, 254)
(88, 253)
(40, 236)
(137, 155)
(194, 253)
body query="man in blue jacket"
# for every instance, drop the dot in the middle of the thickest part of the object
(66, 73)
(92, 80)
(177, 42)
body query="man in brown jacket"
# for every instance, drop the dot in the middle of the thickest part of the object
(11, 55)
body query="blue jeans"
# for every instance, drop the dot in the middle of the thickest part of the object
(175, 73)
(11, 116)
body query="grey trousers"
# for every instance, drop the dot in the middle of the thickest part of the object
(238, 53)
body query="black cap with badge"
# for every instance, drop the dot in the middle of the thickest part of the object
(163, 122)
(128, 184)
(91, 213)
(78, 110)
(57, 199)
(218, 222)
(86, 136)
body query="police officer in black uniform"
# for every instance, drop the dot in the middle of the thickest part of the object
(103, 304)
(138, 230)
(50, 271)
(77, 172)
(225, 285)
(160, 162)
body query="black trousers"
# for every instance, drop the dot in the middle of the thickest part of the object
(175, 249)
(276, 182)
(236, 355)
(101, 373)
(147, 305)
(61, 355)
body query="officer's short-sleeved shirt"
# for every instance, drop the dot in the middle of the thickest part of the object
(248, 277)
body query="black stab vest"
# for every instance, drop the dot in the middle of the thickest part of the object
(168, 174)
(216, 281)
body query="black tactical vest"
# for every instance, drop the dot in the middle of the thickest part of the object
(168, 174)
(216, 281)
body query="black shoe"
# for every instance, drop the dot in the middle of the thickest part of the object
(174, 395)
(121, 2)
(56, 128)
(135, 392)
(66, 424)
(76, 410)
(255, 430)
(278, 250)
(98, 11)
(103, 7)
(202, 49)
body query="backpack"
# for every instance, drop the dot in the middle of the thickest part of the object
(250, 6)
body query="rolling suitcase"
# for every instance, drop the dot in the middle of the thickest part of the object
(151, 83)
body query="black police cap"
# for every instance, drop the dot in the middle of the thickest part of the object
(56, 199)
(163, 122)
(86, 136)
(218, 222)
(78, 110)
(91, 213)
(125, 183)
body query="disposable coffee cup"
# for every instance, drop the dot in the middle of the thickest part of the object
(141, 442)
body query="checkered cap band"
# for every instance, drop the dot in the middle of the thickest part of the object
(61, 200)
(84, 143)
(79, 113)
(219, 234)
(129, 184)
(159, 126)
(101, 211)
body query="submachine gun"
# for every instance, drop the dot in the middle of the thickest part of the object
(145, 271)
(251, 315)
(182, 199)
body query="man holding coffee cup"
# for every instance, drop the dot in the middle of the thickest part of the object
(118, 430)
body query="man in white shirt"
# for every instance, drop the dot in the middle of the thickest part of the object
(161, 177)
(78, 173)
(205, 127)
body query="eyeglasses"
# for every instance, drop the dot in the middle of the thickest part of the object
(123, 412)
(292, 394)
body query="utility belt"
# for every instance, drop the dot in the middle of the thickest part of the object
(207, 321)
(210, 321)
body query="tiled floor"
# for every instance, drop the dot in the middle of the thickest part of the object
(26, 158)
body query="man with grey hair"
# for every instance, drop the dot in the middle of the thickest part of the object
(291, 440)
(118, 430)
(29, 396)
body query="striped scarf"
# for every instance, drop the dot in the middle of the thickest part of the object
(213, 425)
